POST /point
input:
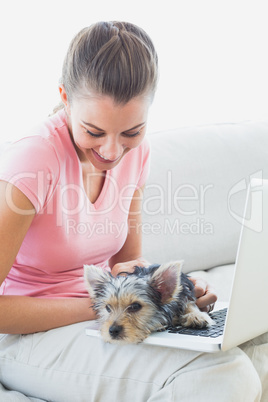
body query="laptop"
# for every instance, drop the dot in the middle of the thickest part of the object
(246, 314)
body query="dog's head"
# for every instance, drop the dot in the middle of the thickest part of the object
(130, 307)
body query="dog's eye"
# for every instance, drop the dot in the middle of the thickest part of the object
(108, 308)
(134, 307)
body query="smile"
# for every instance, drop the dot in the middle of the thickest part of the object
(106, 159)
(102, 158)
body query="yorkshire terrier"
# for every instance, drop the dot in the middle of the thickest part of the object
(132, 306)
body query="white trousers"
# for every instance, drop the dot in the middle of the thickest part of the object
(65, 365)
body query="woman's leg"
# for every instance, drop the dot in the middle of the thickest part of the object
(65, 365)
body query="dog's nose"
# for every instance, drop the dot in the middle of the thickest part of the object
(115, 330)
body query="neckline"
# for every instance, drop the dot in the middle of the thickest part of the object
(100, 197)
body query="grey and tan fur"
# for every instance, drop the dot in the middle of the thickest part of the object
(130, 307)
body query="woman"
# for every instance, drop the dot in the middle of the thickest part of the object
(68, 195)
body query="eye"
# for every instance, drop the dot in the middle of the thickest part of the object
(130, 135)
(108, 308)
(134, 307)
(93, 134)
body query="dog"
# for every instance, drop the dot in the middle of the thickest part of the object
(130, 307)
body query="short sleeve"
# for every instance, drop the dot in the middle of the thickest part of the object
(145, 167)
(31, 164)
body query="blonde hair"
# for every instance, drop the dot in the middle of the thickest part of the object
(110, 58)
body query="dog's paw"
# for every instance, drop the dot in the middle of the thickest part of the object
(198, 320)
(195, 318)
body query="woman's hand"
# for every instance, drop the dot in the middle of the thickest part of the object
(205, 294)
(128, 266)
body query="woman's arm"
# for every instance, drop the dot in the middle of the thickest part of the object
(131, 252)
(21, 314)
(25, 315)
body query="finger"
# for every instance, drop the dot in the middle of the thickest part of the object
(206, 300)
(127, 267)
(200, 286)
(142, 262)
(208, 309)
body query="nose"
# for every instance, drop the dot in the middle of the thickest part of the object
(115, 330)
(111, 149)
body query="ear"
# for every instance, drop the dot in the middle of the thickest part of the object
(166, 280)
(64, 98)
(94, 276)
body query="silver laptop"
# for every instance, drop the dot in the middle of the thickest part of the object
(246, 314)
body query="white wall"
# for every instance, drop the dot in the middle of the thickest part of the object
(213, 57)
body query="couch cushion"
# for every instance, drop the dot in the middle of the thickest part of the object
(195, 195)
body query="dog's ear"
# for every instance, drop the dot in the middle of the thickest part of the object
(94, 276)
(166, 280)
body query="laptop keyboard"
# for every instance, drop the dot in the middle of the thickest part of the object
(213, 332)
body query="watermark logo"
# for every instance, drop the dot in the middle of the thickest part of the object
(253, 213)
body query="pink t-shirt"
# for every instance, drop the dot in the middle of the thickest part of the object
(67, 231)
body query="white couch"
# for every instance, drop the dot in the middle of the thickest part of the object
(195, 196)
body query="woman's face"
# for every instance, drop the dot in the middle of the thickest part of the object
(103, 132)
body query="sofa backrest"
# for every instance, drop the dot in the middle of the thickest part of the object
(195, 195)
